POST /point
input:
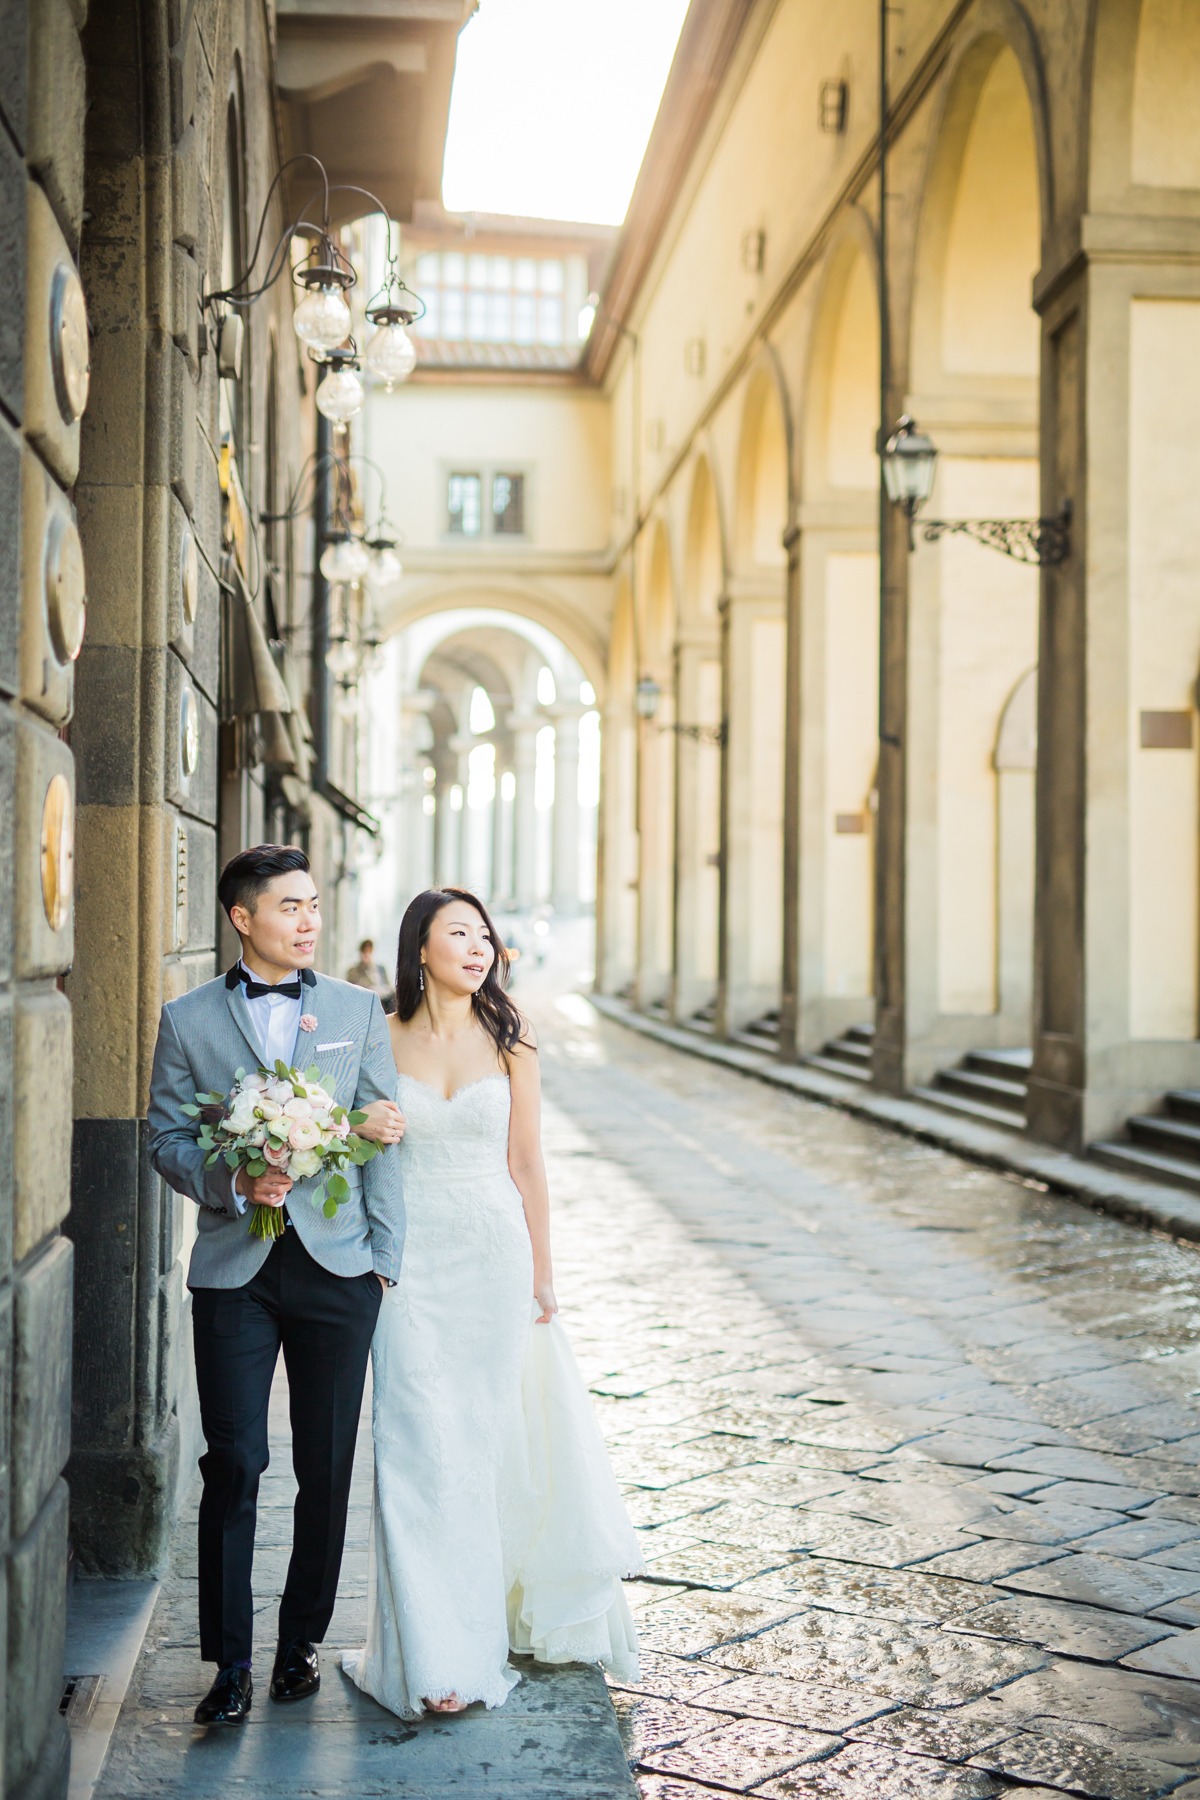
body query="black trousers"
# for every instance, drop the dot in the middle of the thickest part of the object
(324, 1324)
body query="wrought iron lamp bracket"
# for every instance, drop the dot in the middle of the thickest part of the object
(1044, 542)
(699, 734)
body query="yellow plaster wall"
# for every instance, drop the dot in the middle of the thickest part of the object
(852, 686)
(1166, 95)
(987, 638)
(852, 417)
(989, 326)
(562, 436)
(1164, 632)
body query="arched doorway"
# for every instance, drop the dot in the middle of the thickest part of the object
(656, 774)
(753, 664)
(839, 654)
(697, 760)
(973, 613)
(484, 767)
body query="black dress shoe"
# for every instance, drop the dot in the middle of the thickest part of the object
(296, 1674)
(228, 1699)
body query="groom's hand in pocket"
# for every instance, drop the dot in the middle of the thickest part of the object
(271, 1189)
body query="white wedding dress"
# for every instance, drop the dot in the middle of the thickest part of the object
(497, 1524)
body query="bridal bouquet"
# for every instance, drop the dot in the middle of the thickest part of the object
(282, 1119)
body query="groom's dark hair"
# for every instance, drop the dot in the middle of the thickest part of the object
(249, 873)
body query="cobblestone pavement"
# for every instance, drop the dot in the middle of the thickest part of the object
(915, 1447)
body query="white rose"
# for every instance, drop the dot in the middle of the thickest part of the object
(319, 1098)
(304, 1163)
(269, 1109)
(256, 1082)
(297, 1109)
(258, 1135)
(279, 1091)
(241, 1114)
(324, 1125)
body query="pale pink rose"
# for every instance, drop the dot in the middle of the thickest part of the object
(297, 1109)
(278, 1158)
(280, 1092)
(341, 1127)
(308, 1022)
(256, 1082)
(304, 1135)
(269, 1109)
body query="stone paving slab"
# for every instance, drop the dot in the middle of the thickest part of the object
(988, 1342)
(906, 1440)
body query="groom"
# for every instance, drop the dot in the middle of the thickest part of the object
(313, 1292)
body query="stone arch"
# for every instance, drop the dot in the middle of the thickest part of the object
(974, 384)
(658, 637)
(763, 500)
(584, 638)
(841, 415)
(704, 548)
(1144, 137)
(985, 203)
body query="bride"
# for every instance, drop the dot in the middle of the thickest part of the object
(497, 1525)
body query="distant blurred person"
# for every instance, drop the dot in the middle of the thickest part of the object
(367, 973)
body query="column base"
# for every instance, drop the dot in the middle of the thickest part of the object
(123, 1506)
(50, 1776)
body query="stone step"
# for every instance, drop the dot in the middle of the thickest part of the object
(848, 1049)
(833, 1065)
(1133, 1161)
(970, 1109)
(1184, 1103)
(991, 1090)
(1003, 1065)
(1176, 1138)
(860, 1034)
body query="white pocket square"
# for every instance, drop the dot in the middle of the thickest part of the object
(342, 1044)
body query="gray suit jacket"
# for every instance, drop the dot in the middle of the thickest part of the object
(203, 1039)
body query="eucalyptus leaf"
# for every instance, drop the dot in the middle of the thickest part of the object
(189, 1111)
(330, 1209)
(338, 1187)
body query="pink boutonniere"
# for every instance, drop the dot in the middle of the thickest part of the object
(308, 1022)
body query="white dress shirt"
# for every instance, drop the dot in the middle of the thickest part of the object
(276, 1021)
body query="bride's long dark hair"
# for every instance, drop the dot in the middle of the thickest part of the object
(492, 1006)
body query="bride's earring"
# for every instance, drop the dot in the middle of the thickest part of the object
(421, 977)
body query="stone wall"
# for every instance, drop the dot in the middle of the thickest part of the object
(181, 150)
(43, 358)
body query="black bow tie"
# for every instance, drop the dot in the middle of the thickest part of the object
(255, 990)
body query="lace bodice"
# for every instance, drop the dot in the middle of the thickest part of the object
(463, 1139)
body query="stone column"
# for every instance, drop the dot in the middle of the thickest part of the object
(524, 727)
(1115, 932)
(697, 825)
(753, 810)
(501, 884)
(564, 891)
